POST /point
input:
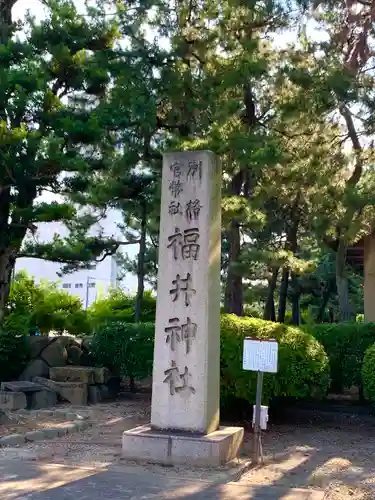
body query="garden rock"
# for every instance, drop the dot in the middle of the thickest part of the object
(74, 392)
(12, 400)
(37, 344)
(74, 355)
(56, 354)
(72, 374)
(12, 440)
(35, 368)
(94, 394)
(101, 375)
(52, 433)
(42, 399)
(34, 436)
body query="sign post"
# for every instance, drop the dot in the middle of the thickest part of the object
(259, 355)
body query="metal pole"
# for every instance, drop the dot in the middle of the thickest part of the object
(87, 291)
(257, 430)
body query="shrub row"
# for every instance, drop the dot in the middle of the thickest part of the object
(303, 365)
(13, 354)
(345, 345)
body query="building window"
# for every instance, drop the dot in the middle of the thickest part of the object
(91, 285)
(67, 285)
(79, 285)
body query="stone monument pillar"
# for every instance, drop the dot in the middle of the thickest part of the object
(186, 374)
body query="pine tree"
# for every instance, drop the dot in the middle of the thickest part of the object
(57, 133)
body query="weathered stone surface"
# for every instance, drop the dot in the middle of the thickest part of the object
(72, 374)
(94, 394)
(20, 386)
(35, 368)
(37, 344)
(56, 354)
(74, 355)
(45, 413)
(101, 375)
(74, 392)
(186, 367)
(51, 433)
(34, 436)
(12, 400)
(43, 399)
(211, 450)
(12, 440)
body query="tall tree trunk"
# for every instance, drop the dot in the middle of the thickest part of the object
(7, 262)
(283, 296)
(141, 265)
(140, 278)
(269, 309)
(296, 295)
(291, 245)
(233, 297)
(327, 292)
(345, 309)
(6, 20)
(323, 305)
(233, 302)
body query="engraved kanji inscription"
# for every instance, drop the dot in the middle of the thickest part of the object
(185, 244)
(174, 208)
(188, 333)
(173, 332)
(176, 333)
(193, 207)
(182, 285)
(194, 171)
(178, 382)
(190, 248)
(175, 188)
(176, 169)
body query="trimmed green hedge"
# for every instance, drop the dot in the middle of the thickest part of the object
(127, 349)
(14, 354)
(303, 364)
(368, 374)
(345, 345)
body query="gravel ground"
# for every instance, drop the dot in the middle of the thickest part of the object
(337, 456)
(338, 459)
(13, 423)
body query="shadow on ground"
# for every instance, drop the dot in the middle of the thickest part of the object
(52, 482)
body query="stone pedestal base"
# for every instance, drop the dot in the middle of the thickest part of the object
(182, 448)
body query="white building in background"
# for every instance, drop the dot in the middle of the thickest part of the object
(90, 284)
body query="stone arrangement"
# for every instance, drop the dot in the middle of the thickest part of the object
(49, 352)
(184, 424)
(19, 395)
(78, 422)
(79, 385)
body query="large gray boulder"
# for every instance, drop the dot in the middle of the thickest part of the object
(35, 368)
(56, 354)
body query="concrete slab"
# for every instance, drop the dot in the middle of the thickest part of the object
(20, 480)
(209, 450)
(21, 386)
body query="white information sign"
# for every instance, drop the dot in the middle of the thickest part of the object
(260, 355)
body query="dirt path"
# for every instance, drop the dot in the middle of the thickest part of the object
(338, 458)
